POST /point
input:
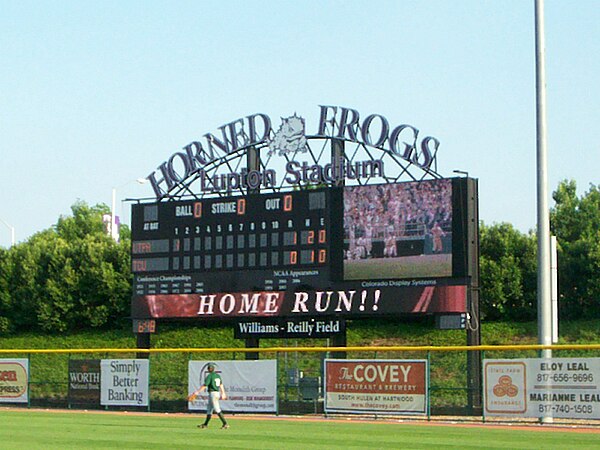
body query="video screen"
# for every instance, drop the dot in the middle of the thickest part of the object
(397, 231)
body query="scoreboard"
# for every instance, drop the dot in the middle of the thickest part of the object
(398, 248)
(252, 243)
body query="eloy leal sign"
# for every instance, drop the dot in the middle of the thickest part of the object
(535, 387)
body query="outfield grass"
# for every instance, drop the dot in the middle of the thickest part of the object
(90, 430)
(416, 266)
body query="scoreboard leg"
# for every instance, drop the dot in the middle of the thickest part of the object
(339, 340)
(474, 378)
(143, 341)
(252, 343)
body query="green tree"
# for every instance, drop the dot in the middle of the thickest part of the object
(508, 273)
(73, 276)
(576, 224)
(5, 269)
(23, 283)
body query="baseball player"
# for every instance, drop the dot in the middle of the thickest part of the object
(214, 385)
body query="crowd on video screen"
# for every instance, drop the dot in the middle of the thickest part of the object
(394, 212)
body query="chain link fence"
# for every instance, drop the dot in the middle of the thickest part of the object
(300, 372)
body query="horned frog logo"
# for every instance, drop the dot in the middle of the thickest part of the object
(290, 137)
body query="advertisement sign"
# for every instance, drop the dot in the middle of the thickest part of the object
(124, 382)
(84, 381)
(505, 387)
(536, 387)
(14, 378)
(376, 386)
(251, 386)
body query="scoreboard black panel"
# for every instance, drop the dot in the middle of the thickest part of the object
(252, 243)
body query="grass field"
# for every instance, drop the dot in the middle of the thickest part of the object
(402, 267)
(26, 429)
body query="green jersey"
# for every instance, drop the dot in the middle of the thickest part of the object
(212, 382)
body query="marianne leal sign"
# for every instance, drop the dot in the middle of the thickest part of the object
(542, 387)
(289, 140)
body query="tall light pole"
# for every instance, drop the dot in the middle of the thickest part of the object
(12, 232)
(114, 230)
(544, 301)
(544, 286)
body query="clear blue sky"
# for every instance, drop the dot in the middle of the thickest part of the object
(96, 94)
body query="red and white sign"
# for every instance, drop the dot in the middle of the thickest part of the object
(376, 386)
(14, 380)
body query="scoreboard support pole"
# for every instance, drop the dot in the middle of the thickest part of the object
(253, 163)
(474, 357)
(143, 341)
(474, 366)
(337, 155)
(252, 343)
(339, 340)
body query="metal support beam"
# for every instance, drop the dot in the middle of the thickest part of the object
(252, 343)
(474, 368)
(143, 341)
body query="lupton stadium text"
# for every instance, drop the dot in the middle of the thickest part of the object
(296, 173)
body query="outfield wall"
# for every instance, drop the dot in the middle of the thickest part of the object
(300, 377)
